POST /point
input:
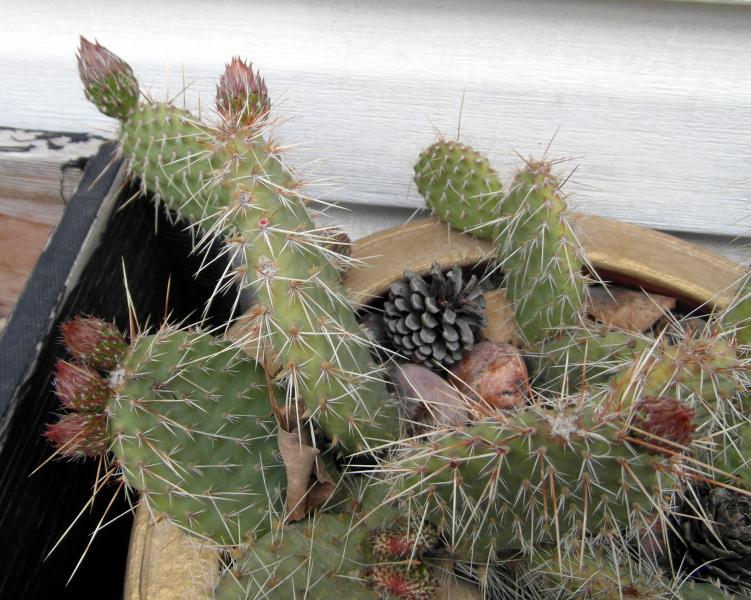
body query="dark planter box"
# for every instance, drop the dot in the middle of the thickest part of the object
(101, 239)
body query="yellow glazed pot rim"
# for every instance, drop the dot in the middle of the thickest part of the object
(166, 564)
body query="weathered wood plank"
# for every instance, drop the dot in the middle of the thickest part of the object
(39, 170)
(21, 243)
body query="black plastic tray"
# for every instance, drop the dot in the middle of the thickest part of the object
(101, 239)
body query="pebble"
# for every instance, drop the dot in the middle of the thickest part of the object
(494, 372)
(427, 398)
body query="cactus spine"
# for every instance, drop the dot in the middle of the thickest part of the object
(229, 180)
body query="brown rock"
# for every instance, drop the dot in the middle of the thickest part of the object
(494, 375)
(427, 398)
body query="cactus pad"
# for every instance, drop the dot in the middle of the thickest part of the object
(191, 428)
(317, 560)
(460, 186)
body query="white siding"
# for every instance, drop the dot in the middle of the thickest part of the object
(651, 100)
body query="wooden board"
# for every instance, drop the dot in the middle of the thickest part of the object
(39, 172)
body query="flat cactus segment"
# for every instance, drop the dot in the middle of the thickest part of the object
(322, 559)
(540, 254)
(191, 428)
(460, 186)
(229, 180)
(172, 154)
(302, 307)
(538, 478)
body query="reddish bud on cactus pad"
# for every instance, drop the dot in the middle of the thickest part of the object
(108, 81)
(401, 541)
(98, 343)
(662, 420)
(409, 582)
(241, 96)
(80, 387)
(79, 434)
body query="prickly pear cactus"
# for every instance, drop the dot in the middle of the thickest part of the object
(321, 559)
(228, 179)
(191, 427)
(189, 422)
(460, 186)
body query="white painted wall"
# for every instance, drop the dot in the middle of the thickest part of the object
(650, 100)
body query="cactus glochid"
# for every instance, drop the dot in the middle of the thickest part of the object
(228, 179)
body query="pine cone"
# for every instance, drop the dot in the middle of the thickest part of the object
(435, 321)
(715, 535)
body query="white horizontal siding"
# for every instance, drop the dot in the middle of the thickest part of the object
(651, 100)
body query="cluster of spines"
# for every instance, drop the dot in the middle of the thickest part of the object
(228, 179)
(397, 568)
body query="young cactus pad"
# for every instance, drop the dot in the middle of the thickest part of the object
(540, 254)
(460, 186)
(229, 180)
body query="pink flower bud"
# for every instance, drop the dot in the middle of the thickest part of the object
(80, 387)
(78, 434)
(664, 421)
(95, 342)
(108, 81)
(241, 96)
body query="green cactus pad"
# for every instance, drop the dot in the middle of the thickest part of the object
(584, 358)
(229, 180)
(737, 317)
(191, 429)
(460, 186)
(540, 254)
(322, 559)
(540, 477)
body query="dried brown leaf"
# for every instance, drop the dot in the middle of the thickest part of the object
(633, 310)
(308, 482)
